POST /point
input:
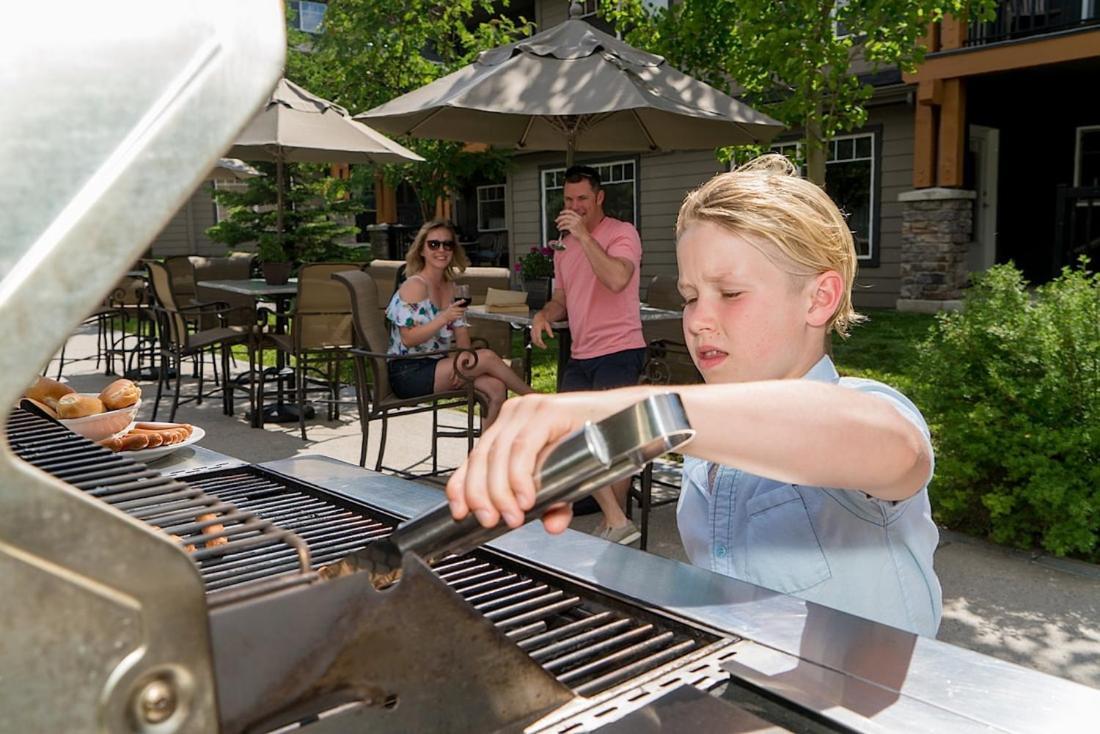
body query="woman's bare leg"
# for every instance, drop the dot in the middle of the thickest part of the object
(496, 392)
(488, 385)
(488, 363)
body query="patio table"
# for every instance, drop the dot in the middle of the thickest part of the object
(281, 295)
(561, 329)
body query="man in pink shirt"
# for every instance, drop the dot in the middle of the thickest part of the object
(596, 289)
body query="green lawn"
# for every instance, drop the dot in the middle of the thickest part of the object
(884, 347)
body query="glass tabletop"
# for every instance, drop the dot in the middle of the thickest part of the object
(253, 287)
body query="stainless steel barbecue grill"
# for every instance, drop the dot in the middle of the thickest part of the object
(189, 601)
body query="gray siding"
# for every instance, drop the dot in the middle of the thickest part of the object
(665, 180)
(878, 287)
(551, 12)
(183, 234)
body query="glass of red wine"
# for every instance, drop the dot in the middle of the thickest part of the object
(462, 295)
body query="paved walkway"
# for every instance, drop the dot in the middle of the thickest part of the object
(1032, 610)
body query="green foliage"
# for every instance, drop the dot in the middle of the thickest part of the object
(318, 211)
(538, 263)
(1011, 388)
(785, 58)
(370, 52)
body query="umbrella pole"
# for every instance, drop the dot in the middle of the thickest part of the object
(279, 201)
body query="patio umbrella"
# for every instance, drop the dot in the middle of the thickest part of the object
(232, 169)
(296, 126)
(573, 88)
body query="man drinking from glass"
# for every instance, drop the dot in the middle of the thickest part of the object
(596, 289)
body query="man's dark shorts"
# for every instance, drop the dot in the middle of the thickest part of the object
(618, 369)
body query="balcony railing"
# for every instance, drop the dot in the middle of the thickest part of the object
(1022, 18)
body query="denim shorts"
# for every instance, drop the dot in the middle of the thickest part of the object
(411, 378)
(618, 369)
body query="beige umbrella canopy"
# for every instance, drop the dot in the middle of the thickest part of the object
(296, 126)
(232, 169)
(573, 88)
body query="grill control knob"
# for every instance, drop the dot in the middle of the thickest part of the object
(157, 701)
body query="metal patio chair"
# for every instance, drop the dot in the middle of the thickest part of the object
(376, 398)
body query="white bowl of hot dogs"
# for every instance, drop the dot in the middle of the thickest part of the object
(149, 436)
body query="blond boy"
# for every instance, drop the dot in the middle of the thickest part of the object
(797, 480)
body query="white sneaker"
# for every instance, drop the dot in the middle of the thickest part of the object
(624, 535)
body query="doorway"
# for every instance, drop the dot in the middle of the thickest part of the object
(985, 152)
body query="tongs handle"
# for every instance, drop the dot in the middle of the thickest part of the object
(591, 457)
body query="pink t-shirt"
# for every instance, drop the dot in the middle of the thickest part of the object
(600, 320)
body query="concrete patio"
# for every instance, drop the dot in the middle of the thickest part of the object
(1030, 609)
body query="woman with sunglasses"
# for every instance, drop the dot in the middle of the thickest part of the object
(426, 318)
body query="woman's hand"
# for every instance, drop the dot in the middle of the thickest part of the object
(452, 313)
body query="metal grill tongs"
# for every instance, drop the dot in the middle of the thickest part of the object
(589, 458)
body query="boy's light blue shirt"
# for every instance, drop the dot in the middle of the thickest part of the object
(836, 547)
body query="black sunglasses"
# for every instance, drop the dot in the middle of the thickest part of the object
(448, 245)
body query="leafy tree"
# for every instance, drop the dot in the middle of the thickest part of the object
(316, 211)
(794, 60)
(370, 52)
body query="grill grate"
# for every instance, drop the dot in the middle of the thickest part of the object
(586, 644)
(217, 534)
(248, 530)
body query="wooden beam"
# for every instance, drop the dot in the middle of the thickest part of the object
(924, 147)
(1019, 55)
(930, 92)
(952, 33)
(931, 38)
(443, 207)
(385, 200)
(952, 137)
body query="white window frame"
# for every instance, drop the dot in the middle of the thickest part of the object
(871, 230)
(604, 181)
(298, 11)
(593, 11)
(836, 24)
(503, 199)
(1077, 150)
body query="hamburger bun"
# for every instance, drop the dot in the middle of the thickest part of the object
(120, 394)
(78, 406)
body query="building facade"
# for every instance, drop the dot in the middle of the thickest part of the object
(989, 153)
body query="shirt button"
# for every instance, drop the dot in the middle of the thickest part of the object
(720, 551)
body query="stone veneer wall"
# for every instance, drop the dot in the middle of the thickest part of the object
(936, 229)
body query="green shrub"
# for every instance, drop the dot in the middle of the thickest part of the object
(1011, 389)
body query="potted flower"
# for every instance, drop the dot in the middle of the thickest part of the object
(536, 268)
(274, 260)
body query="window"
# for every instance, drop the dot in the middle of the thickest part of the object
(309, 15)
(839, 29)
(490, 208)
(589, 7)
(850, 182)
(618, 180)
(1086, 166)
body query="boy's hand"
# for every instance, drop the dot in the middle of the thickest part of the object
(497, 479)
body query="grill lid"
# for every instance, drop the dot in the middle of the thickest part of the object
(111, 123)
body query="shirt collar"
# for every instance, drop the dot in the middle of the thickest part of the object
(823, 371)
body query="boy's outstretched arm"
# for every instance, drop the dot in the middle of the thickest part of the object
(796, 431)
